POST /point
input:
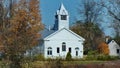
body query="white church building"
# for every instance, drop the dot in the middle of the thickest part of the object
(59, 40)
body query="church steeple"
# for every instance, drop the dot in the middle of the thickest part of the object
(61, 18)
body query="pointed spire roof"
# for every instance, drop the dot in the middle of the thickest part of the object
(62, 10)
(62, 7)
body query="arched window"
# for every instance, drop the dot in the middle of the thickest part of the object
(49, 51)
(63, 46)
(76, 48)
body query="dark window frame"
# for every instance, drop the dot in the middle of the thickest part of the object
(49, 51)
(58, 50)
(63, 46)
(118, 50)
(70, 49)
(63, 17)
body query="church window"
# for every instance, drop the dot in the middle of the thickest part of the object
(76, 48)
(63, 17)
(118, 51)
(58, 50)
(70, 49)
(49, 52)
(63, 46)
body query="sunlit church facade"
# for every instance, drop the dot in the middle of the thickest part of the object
(59, 40)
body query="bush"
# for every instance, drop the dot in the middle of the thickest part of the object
(107, 57)
(38, 57)
(92, 55)
(103, 57)
(103, 48)
(68, 56)
(93, 52)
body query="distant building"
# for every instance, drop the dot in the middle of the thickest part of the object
(114, 48)
(60, 40)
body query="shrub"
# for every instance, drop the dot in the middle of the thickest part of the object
(93, 52)
(92, 55)
(103, 57)
(38, 57)
(68, 56)
(103, 48)
(107, 57)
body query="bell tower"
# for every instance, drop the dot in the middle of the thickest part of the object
(61, 18)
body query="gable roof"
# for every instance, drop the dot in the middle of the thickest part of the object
(113, 41)
(61, 30)
(109, 41)
(46, 32)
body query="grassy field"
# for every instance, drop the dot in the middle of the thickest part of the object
(82, 62)
(69, 64)
(77, 64)
(50, 64)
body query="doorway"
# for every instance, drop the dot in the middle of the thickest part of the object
(76, 53)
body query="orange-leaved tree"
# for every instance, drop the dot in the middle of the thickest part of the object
(20, 32)
(103, 48)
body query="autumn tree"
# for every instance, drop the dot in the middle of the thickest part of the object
(91, 32)
(4, 20)
(89, 24)
(103, 48)
(21, 31)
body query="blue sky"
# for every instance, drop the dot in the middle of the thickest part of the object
(49, 7)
